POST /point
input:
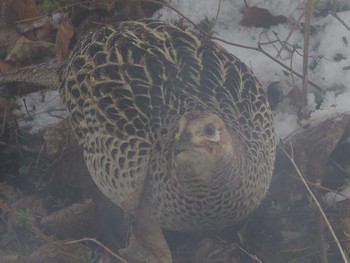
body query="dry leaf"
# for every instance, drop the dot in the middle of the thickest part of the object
(8, 39)
(75, 221)
(211, 250)
(63, 39)
(5, 67)
(27, 50)
(58, 138)
(261, 17)
(313, 146)
(274, 94)
(69, 172)
(146, 241)
(16, 10)
(134, 10)
(40, 28)
(344, 233)
(8, 119)
(9, 194)
(296, 97)
(58, 252)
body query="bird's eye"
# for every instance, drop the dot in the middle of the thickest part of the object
(210, 130)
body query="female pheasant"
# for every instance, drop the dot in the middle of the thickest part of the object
(169, 109)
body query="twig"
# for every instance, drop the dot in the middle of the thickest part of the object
(340, 20)
(4, 121)
(308, 13)
(292, 75)
(100, 244)
(55, 11)
(291, 32)
(26, 108)
(323, 245)
(291, 159)
(253, 257)
(246, 5)
(217, 13)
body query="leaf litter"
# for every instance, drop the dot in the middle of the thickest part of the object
(45, 172)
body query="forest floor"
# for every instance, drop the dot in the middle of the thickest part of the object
(51, 211)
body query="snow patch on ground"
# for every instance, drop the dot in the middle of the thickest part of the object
(44, 108)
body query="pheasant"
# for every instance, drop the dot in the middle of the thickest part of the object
(172, 111)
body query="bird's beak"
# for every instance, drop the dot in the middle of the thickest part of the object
(184, 143)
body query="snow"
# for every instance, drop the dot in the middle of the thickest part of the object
(327, 43)
(45, 109)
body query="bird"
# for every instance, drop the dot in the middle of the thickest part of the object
(153, 104)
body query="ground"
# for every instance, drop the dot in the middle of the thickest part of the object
(48, 201)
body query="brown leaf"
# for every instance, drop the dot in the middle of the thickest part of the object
(8, 121)
(36, 205)
(5, 67)
(138, 9)
(8, 39)
(58, 252)
(15, 10)
(40, 28)
(211, 250)
(58, 138)
(63, 39)
(146, 241)
(344, 232)
(261, 17)
(134, 10)
(70, 173)
(107, 5)
(313, 146)
(9, 194)
(75, 221)
(27, 50)
(296, 97)
(274, 94)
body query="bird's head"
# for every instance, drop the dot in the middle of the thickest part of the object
(203, 141)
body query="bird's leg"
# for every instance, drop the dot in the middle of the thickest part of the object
(146, 242)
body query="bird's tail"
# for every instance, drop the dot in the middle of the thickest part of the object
(45, 74)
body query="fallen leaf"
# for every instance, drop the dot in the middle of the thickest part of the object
(26, 50)
(146, 241)
(75, 221)
(58, 252)
(15, 10)
(5, 67)
(313, 146)
(344, 233)
(274, 94)
(40, 28)
(261, 17)
(8, 39)
(58, 138)
(37, 206)
(63, 39)
(211, 250)
(9, 194)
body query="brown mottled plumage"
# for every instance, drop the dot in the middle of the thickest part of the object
(147, 99)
